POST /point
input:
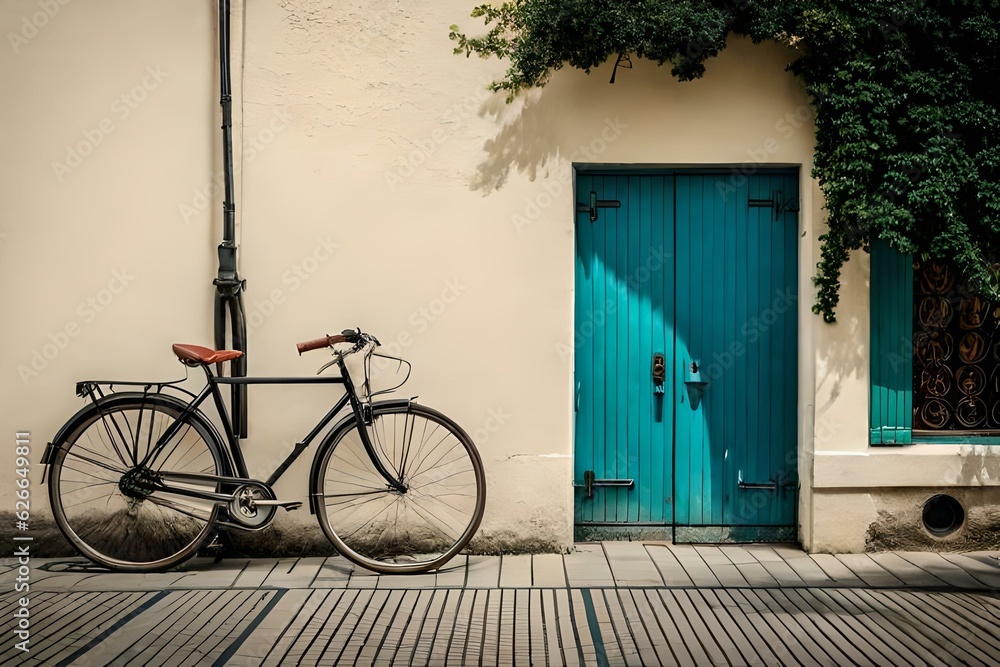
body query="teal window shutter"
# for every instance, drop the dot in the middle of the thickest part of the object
(891, 345)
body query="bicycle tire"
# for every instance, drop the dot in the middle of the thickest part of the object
(98, 448)
(391, 532)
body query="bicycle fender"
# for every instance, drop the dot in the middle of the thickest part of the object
(108, 401)
(332, 436)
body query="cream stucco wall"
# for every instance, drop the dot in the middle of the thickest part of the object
(380, 186)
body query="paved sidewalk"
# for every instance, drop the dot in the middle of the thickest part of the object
(615, 603)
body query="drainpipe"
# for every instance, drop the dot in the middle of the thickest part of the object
(229, 286)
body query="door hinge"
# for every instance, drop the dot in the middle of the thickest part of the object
(595, 204)
(590, 481)
(777, 203)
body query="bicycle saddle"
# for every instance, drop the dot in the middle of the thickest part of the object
(195, 355)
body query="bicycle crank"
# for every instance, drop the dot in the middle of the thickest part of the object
(253, 506)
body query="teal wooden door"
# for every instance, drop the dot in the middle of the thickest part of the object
(694, 274)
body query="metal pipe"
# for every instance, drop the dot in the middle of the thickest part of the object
(229, 286)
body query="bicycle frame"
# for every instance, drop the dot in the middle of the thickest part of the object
(212, 388)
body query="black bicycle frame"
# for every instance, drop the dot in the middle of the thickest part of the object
(236, 454)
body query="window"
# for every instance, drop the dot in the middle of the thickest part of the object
(935, 363)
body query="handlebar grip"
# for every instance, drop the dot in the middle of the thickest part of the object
(325, 341)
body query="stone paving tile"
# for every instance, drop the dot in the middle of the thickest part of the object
(272, 626)
(570, 643)
(869, 571)
(548, 571)
(393, 581)
(255, 573)
(625, 625)
(452, 575)
(362, 578)
(631, 564)
(694, 565)
(299, 573)
(737, 555)
(905, 571)
(983, 606)
(756, 574)
(680, 605)
(894, 623)
(810, 571)
(941, 568)
(543, 616)
(515, 571)
(915, 606)
(776, 566)
(588, 566)
(832, 640)
(896, 608)
(484, 572)
(209, 575)
(671, 571)
(335, 572)
(836, 570)
(988, 574)
(723, 569)
(969, 609)
(896, 652)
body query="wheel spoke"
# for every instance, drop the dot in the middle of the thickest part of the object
(414, 529)
(119, 524)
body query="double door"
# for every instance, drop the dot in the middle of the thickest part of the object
(686, 355)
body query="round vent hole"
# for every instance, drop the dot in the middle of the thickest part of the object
(943, 515)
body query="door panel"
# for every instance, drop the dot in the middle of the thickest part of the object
(736, 282)
(717, 256)
(624, 312)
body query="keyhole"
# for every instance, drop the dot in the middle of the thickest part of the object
(694, 366)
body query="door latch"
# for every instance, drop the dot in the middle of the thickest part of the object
(590, 481)
(595, 204)
(659, 372)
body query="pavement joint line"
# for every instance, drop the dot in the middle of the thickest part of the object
(114, 628)
(247, 631)
(595, 628)
(747, 587)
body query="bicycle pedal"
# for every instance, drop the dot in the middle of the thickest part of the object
(286, 504)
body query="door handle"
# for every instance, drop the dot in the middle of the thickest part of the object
(659, 373)
(695, 384)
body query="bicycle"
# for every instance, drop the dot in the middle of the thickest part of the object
(139, 480)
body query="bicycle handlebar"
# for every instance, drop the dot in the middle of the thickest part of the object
(319, 343)
(355, 336)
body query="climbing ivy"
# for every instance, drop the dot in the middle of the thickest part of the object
(905, 94)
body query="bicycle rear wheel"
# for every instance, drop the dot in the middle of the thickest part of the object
(390, 531)
(102, 484)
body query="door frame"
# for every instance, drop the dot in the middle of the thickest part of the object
(804, 338)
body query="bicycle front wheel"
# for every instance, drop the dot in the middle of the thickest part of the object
(393, 531)
(103, 479)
